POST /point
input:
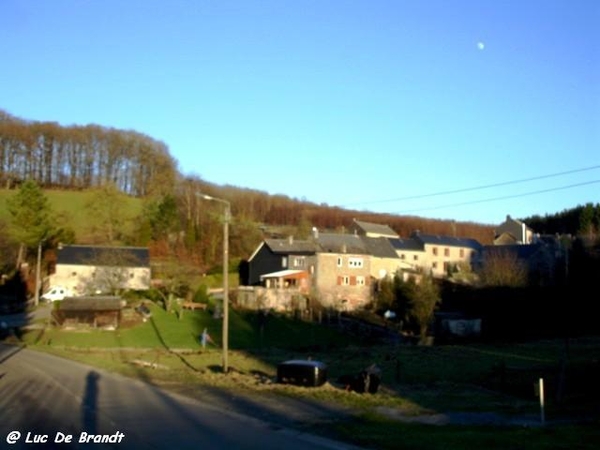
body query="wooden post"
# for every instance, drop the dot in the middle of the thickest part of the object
(542, 413)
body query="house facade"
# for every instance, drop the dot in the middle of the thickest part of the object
(436, 254)
(91, 269)
(411, 252)
(342, 270)
(274, 255)
(441, 254)
(342, 276)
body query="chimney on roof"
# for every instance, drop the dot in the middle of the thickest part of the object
(315, 233)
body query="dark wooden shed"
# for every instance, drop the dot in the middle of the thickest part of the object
(96, 312)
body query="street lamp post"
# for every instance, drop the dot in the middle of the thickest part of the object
(37, 274)
(226, 218)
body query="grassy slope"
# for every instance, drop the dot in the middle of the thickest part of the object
(70, 207)
(426, 379)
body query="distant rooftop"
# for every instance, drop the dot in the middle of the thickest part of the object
(374, 229)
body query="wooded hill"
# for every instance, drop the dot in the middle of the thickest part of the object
(109, 164)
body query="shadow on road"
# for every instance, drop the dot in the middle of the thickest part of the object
(8, 351)
(90, 403)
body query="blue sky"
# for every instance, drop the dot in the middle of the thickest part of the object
(370, 105)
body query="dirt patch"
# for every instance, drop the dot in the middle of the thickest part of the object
(459, 418)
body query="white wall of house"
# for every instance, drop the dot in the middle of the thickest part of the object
(82, 279)
(413, 259)
(436, 258)
(262, 298)
(439, 258)
(387, 267)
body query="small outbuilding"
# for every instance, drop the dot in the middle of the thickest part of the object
(95, 312)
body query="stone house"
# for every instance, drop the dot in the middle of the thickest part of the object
(342, 270)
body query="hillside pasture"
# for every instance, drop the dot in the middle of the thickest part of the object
(71, 210)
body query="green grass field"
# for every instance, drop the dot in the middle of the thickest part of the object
(415, 379)
(70, 208)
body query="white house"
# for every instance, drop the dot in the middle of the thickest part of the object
(87, 269)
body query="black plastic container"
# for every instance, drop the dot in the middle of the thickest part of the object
(302, 373)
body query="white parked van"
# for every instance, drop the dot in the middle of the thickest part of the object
(57, 293)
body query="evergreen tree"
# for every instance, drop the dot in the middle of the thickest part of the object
(31, 216)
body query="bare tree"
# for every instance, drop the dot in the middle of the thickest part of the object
(503, 268)
(107, 208)
(113, 271)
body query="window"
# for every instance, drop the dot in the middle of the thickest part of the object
(360, 281)
(434, 265)
(402, 256)
(446, 252)
(299, 261)
(462, 252)
(355, 262)
(339, 262)
(415, 257)
(344, 280)
(284, 262)
(434, 250)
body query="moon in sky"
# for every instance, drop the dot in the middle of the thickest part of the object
(480, 45)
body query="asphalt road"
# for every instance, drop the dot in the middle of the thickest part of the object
(45, 398)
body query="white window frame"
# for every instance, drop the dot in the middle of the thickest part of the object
(355, 263)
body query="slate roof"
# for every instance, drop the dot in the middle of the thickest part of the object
(448, 241)
(288, 246)
(375, 228)
(380, 247)
(87, 255)
(408, 244)
(342, 243)
(100, 303)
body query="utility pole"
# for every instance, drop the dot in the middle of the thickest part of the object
(226, 219)
(37, 274)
